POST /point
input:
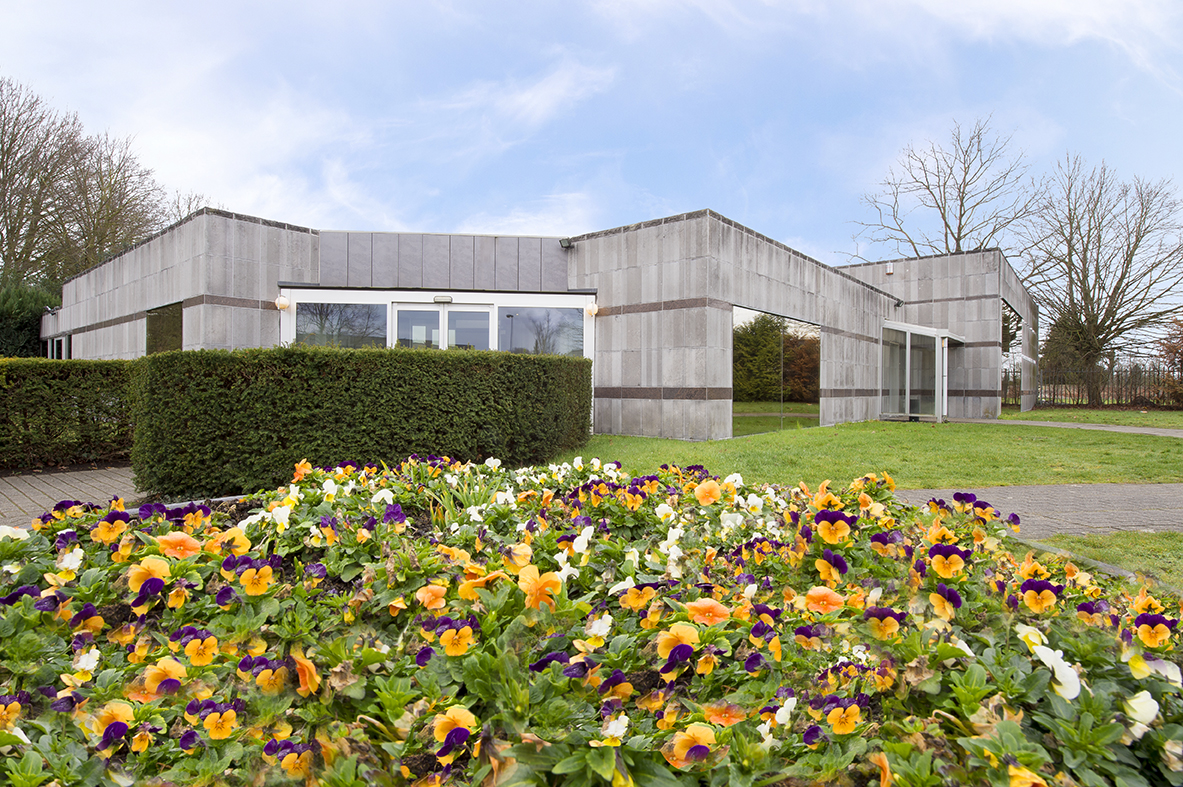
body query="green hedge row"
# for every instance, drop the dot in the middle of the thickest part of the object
(217, 423)
(63, 412)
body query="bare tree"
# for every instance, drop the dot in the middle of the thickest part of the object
(37, 148)
(184, 204)
(110, 202)
(968, 196)
(1105, 260)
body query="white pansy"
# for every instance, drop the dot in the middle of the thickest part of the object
(565, 569)
(15, 533)
(12, 568)
(754, 504)
(1167, 669)
(785, 712)
(72, 560)
(1066, 681)
(622, 586)
(252, 519)
(383, 496)
(578, 463)
(634, 556)
(329, 487)
(664, 512)
(767, 739)
(451, 479)
(503, 498)
(583, 540)
(350, 485)
(1134, 733)
(616, 728)
(595, 463)
(281, 514)
(1141, 707)
(749, 591)
(474, 513)
(600, 627)
(1032, 636)
(492, 464)
(734, 478)
(294, 492)
(87, 661)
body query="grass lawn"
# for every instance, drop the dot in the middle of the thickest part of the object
(1166, 419)
(744, 425)
(804, 408)
(1157, 554)
(917, 455)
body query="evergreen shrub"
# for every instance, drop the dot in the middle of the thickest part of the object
(216, 423)
(63, 412)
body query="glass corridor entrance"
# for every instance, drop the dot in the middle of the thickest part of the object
(914, 373)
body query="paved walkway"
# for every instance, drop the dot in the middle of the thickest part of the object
(1044, 510)
(25, 496)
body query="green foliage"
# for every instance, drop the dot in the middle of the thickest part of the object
(61, 412)
(756, 359)
(21, 308)
(218, 423)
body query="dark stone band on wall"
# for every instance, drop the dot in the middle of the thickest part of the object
(923, 301)
(111, 323)
(660, 306)
(849, 334)
(226, 300)
(691, 394)
(200, 300)
(985, 393)
(981, 344)
(841, 393)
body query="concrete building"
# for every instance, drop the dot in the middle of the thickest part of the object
(651, 304)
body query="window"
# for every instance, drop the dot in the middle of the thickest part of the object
(540, 331)
(341, 324)
(59, 348)
(468, 330)
(165, 328)
(419, 329)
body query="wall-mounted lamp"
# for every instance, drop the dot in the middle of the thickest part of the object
(890, 268)
(565, 243)
(442, 299)
(591, 310)
(282, 303)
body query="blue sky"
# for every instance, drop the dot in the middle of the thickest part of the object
(558, 118)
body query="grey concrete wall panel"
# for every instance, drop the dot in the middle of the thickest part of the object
(506, 264)
(461, 257)
(334, 259)
(437, 262)
(554, 266)
(529, 264)
(410, 261)
(484, 274)
(360, 270)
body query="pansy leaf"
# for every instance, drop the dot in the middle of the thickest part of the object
(573, 764)
(602, 761)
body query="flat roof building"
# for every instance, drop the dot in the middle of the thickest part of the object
(653, 305)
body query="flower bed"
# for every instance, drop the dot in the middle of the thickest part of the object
(445, 622)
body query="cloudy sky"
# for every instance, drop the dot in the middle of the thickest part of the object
(568, 116)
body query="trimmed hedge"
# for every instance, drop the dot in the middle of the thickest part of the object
(63, 412)
(211, 423)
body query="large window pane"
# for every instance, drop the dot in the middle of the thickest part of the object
(341, 324)
(419, 329)
(924, 375)
(540, 331)
(468, 330)
(894, 371)
(165, 328)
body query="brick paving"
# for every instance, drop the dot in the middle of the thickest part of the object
(28, 495)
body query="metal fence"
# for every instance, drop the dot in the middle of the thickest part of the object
(1138, 384)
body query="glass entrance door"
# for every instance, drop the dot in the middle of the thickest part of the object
(914, 378)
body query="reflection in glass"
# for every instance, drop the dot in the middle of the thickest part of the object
(923, 391)
(468, 330)
(419, 329)
(540, 331)
(165, 328)
(341, 324)
(774, 375)
(894, 371)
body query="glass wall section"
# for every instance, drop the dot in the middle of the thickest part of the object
(341, 324)
(774, 372)
(419, 329)
(540, 331)
(468, 330)
(165, 328)
(895, 344)
(923, 382)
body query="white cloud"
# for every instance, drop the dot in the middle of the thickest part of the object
(556, 214)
